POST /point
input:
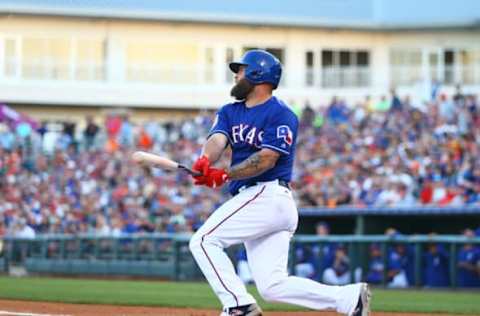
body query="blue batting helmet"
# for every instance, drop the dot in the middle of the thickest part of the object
(261, 67)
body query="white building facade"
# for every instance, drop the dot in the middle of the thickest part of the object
(103, 62)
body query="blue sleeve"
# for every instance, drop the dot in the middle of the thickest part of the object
(281, 133)
(221, 124)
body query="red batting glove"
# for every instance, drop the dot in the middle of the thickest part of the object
(216, 178)
(202, 165)
(200, 180)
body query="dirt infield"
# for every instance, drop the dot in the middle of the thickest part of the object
(27, 308)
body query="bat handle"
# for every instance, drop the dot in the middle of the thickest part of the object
(190, 171)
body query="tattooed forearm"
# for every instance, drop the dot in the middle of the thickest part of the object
(254, 165)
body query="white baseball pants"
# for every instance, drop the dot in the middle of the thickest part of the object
(264, 218)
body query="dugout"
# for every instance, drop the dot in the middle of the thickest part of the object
(374, 221)
(172, 259)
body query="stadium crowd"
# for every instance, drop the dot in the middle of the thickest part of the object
(390, 154)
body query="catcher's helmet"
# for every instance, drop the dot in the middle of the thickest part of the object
(261, 67)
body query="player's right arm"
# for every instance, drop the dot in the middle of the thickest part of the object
(217, 141)
(214, 147)
(219, 136)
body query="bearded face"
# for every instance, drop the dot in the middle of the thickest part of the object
(241, 89)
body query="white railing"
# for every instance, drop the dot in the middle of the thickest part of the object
(167, 74)
(405, 75)
(449, 75)
(89, 71)
(408, 75)
(310, 77)
(11, 67)
(465, 74)
(49, 69)
(336, 77)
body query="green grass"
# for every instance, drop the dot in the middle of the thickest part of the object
(199, 295)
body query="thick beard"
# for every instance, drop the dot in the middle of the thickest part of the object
(241, 90)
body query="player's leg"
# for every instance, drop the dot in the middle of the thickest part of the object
(237, 220)
(268, 258)
(271, 276)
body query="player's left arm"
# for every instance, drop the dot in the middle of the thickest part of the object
(254, 165)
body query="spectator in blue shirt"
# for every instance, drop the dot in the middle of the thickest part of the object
(396, 104)
(376, 266)
(304, 266)
(339, 272)
(323, 254)
(436, 271)
(337, 111)
(7, 138)
(468, 261)
(397, 265)
(477, 234)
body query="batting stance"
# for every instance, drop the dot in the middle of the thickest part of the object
(262, 131)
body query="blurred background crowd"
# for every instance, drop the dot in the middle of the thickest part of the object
(59, 178)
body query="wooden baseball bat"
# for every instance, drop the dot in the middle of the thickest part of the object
(162, 162)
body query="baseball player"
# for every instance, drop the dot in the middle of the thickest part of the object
(261, 131)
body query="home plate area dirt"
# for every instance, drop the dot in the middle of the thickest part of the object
(28, 308)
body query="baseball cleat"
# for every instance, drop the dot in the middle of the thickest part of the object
(244, 310)
(363, 305)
